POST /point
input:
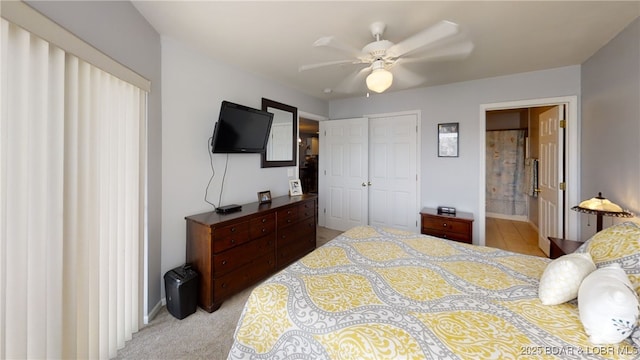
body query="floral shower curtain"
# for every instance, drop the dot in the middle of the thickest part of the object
(505, 172)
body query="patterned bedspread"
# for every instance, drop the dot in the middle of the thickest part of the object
(375, 293)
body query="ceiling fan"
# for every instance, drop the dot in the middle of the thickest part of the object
(383, 57)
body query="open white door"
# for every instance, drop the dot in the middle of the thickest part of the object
(344, 172)
(549, 177)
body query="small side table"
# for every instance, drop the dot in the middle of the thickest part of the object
(561, 247)
(456, 227)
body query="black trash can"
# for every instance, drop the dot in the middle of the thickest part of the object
(181, 287)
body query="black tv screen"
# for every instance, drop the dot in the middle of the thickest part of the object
(241, 129)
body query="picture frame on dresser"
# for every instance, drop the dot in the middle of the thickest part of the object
(295, 188)
(264, 197)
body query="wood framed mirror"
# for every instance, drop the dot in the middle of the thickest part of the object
(281, 148)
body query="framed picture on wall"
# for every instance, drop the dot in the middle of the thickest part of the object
(448, 140)
(295, 188)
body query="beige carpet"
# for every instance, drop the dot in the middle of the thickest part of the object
(201, 335)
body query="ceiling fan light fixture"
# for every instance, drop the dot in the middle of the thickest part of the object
(379, 80)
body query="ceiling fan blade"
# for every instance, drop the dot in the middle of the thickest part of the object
(405, 78)
(430, 35)
(353, 82)
(450, 52)
(332, 42)
(328, 63)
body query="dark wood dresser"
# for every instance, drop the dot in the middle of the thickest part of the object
(233, 251)
(458, 227)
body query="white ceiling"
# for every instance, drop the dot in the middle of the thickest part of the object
(272, 39)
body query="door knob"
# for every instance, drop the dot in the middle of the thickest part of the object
(364, 184)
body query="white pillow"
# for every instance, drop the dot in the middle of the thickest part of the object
(608, 305)
(561, 279)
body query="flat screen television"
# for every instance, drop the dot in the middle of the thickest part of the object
(241, 129)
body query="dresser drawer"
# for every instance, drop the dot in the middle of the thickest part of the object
(295, 250)
(242, 277)
(307, 210)
(287, 216)
(226, 237)
(296, 233)
(233, 258)
(261, 226)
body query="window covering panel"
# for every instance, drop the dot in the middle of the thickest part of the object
(72, 184)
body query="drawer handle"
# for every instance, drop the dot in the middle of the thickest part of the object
(224, 262)
(264, 230)
(289, 220)
(289, 212)
(224, 285)
(445, 224)
(233, 229)
(233, 241)
(264, 221)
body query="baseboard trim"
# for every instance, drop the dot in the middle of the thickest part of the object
(156, 309)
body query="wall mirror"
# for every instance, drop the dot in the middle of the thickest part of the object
(281, 148)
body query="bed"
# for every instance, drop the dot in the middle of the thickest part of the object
(380, 293)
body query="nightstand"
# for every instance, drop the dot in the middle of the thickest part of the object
(458, 227)
(559, 247)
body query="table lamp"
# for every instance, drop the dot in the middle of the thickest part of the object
(600, 206)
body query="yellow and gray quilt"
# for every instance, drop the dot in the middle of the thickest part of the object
(375, 293)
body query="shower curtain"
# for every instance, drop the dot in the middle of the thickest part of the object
(505, 192)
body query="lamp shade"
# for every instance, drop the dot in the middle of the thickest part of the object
(380, 79)
(600, 207)
(599, 203)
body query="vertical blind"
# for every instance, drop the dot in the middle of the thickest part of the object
(72, 184)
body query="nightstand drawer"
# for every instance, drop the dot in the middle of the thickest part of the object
(449, 225)
(448, 235)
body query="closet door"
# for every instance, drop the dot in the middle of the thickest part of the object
(393, 176)
(344, 172)
(368, 172)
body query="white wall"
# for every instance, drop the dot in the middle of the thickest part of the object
(454, 181)
(193, 88)
(611, 125)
